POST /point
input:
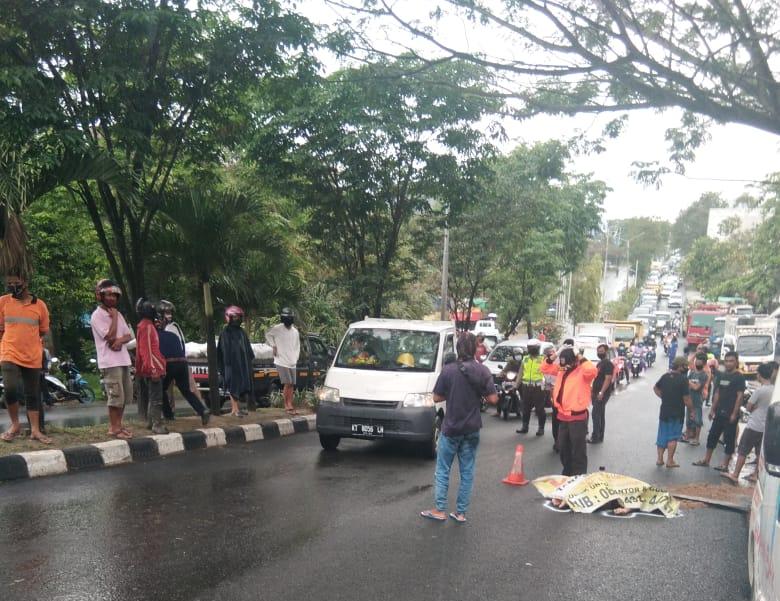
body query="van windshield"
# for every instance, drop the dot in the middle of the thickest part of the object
(755, 345)
(389, 350)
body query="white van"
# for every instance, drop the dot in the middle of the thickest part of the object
(764, 533)
(381, 383)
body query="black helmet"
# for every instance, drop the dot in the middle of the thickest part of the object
(287, 316)
(146, 308)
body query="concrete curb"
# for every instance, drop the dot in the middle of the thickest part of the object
(51, 462)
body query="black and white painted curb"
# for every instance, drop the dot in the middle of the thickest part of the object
(52, 462)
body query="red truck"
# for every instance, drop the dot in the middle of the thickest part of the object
(699, 323)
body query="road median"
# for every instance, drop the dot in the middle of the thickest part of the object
(19, 461)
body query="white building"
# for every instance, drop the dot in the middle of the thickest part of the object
(743, 218)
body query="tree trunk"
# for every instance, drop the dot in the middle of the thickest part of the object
(215, 400)
(529, 327)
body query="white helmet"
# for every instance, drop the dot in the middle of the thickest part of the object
(534, 342)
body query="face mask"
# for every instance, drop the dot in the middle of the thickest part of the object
(236, 321)
(288, 321)
(15, 290)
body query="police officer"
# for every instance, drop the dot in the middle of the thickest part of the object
(531, 384)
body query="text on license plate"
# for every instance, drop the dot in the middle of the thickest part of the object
(365, 430)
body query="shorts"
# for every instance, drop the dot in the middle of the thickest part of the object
(669, 430)
(749, 441)
(287, 375)
(722, 425)
(119, 386)
(22, 382)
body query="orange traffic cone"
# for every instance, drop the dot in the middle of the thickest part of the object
(516, 477)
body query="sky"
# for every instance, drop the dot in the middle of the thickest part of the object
(734, 152)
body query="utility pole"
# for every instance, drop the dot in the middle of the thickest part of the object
(628, 262)
(604, 276)
(445, 275)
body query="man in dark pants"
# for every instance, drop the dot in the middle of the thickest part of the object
(571, 397)
(177, 370)
(531, 382)
(725, 411)
(602, 387)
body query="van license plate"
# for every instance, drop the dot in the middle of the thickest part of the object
(364, 430)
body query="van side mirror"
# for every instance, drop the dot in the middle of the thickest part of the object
(772, 440)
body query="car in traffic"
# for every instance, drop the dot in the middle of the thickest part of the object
(380, 385)
(506, 350)
(675, 301)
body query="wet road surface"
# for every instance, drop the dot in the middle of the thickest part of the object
(283, 520)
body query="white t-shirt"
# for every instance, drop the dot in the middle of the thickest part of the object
(288, 345)
(761, 399)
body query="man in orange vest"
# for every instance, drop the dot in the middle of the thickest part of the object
(571, 398)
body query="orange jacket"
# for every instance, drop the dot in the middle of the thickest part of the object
(577, 389)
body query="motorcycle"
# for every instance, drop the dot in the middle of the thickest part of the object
(508, 397)
(636, 365)
(650, 357)
(75, 388)
(621, 365)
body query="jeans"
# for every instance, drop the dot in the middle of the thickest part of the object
(179, 372)
(465, 447)
(150, 397)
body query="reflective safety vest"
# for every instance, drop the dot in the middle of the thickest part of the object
(532, 370)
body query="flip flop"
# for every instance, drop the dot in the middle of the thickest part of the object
(461, 519)
(671, 465)
(720, 468)
(43, 439)
(659, 463)
(728, 477)
(121, 435)
(9, 436)
(694, 443)
(701, 463)
(431, 516)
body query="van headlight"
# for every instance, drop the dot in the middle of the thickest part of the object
(326, 394)
(419, 399)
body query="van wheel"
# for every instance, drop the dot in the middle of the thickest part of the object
(329, 442)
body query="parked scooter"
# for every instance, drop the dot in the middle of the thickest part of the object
(75, 388)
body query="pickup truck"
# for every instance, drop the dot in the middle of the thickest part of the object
(316, 357)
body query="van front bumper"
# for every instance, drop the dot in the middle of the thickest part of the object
(414, 424)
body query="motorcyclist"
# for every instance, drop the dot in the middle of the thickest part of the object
(531, 381)
(513, 366)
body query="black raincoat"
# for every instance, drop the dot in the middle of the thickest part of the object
(235, 357)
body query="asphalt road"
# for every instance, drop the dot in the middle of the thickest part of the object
(282, 520)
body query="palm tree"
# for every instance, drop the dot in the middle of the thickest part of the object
(210, 232)
(25, 176)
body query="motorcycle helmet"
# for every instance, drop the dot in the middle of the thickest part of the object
(405, 360)
(146, 308)
(234, 313)
(287, 316)
(166, 309)
(106, 286)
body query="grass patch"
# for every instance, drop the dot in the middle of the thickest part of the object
(65, 437)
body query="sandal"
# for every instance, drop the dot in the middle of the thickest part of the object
(42, 438)
(121, 435)
(428, 514)
(730, 478)
(9, 436)
(671, 465)
(659, 463)
(694, 443)
(721, 468)
(458, 517)
(701, 463)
